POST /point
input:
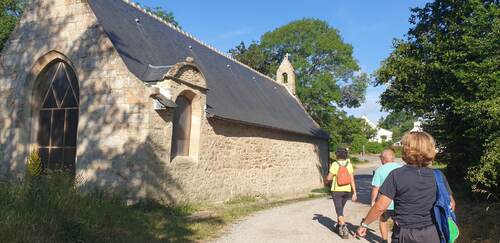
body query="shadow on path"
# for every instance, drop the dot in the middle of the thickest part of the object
(330, 224)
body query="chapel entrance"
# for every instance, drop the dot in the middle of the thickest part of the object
(58, 93)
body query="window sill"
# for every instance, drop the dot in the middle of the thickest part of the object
(183, 160)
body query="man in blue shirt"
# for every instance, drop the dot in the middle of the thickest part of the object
(388, 165)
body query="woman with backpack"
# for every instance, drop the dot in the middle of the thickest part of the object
(341, 175)
(415, 189)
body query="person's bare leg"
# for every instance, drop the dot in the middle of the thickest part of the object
(341, 220)
(383, 228)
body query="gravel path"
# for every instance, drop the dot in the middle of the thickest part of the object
(309, 221)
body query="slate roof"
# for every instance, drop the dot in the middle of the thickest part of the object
(149, 47)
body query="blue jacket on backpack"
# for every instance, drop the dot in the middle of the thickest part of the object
(442, 210)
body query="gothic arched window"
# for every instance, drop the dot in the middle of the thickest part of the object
(181, 133)
(58, 118)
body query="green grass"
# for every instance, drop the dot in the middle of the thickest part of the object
(322, 190)
(356, 161)
(51, 209)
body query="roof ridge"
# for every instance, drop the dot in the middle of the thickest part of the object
(138, 7)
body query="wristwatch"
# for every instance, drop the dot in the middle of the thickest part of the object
(363, 224)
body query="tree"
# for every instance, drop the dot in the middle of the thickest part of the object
(164, 14)
(254, 56)
(328, 77)
(398, 123)
(11, 11)
(447, 71)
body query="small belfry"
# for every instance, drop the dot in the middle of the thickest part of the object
(286, 74)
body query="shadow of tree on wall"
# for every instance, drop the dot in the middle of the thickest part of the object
(134, 167)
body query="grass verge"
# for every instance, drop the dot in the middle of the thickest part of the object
(51, 209)
(478, 221)
(476, 215)
(357, 161)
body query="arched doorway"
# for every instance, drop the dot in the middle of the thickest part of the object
(58, 98)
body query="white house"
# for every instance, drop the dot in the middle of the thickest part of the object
(381, 135)
(417, 127)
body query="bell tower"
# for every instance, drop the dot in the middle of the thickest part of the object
(286, 74)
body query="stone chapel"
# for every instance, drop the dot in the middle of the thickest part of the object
(133, 105)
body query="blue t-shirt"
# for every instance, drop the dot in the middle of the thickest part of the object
(381, 173)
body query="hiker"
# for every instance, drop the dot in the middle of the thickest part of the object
(388, 165)
(341, 175)
(414, 191)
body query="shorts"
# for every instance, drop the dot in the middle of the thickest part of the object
(428, 234)
(388, 214)
(339, 200)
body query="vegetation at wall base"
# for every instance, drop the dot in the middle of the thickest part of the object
(51, 209)
(33, 165)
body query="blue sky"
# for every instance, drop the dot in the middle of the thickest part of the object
(369, 26)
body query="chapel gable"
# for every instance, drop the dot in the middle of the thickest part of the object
(187, 73)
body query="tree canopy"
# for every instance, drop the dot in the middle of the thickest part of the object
(447, 71)
(328, 76)
(398, 123)
(11, 11)
(164, 14)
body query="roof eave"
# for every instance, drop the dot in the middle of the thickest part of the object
(325, 137)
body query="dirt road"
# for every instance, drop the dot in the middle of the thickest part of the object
(309, 221)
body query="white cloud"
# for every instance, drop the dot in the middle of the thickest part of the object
(371, 108)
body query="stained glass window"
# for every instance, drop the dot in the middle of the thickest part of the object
(58, 117)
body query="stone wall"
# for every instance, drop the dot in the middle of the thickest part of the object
(261, 161)
(123, 143)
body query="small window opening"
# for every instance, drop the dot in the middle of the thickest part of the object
(285, 78)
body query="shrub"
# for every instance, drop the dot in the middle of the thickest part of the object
(354, 160)
(358, 142)
(34, 164)
(486, 174)
(374, 147)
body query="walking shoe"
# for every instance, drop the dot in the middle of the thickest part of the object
(345, 232)
(340, 230)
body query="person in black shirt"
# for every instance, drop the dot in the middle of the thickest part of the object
(413, 189)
